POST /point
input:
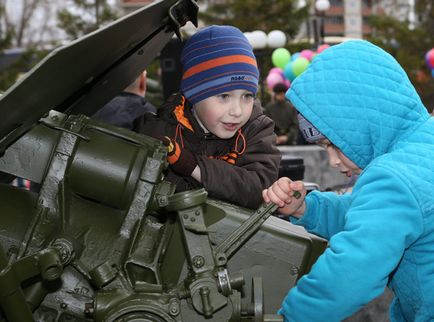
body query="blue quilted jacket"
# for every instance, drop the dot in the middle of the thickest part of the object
(382, 234)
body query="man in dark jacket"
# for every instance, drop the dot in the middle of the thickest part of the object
(216, 134)
(126, 109)
(284, 116)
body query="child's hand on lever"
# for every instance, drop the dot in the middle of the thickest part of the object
(288, 195)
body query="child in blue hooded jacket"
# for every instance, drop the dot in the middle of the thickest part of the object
(358, 103)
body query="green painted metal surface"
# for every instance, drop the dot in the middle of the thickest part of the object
(106, 238)
(82, 76)
(129, 247)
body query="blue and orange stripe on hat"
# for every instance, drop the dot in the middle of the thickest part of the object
(215, 60)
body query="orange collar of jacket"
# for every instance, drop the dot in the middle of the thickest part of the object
(179, 112)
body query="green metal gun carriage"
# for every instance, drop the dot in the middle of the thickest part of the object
(106, 238)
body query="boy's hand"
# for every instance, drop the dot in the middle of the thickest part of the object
(288, 195)
(181, 160)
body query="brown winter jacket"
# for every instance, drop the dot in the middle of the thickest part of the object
(234, 177)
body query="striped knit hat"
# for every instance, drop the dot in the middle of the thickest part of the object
(215, 60)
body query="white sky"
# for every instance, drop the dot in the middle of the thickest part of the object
(43, 25)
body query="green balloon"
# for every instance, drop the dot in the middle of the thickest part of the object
(280, 57)
(299, 65)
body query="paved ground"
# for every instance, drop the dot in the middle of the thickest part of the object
(375, 311)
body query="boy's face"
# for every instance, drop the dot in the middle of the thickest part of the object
(338, 160)
(224, 114)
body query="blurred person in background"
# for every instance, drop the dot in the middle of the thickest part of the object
(284, 116)
(127, 108)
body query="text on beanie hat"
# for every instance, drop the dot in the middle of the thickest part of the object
(215, 60)
(309, 132)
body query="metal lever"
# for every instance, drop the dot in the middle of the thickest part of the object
(243, 233)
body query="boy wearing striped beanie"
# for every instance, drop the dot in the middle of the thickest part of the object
(216, 134)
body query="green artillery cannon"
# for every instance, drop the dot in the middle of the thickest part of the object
(106, 238)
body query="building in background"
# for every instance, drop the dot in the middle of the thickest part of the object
(403, 10)
(350, 18)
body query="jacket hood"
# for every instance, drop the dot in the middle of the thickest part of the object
(360, 98)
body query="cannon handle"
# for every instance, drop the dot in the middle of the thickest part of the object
(243, 233)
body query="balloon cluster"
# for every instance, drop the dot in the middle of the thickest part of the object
(287, 67)
(429, 58)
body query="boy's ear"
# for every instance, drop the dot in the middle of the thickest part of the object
(142, 81)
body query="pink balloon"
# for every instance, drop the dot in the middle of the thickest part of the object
(307, 53)
(429, 58)
(287, 83)
(322, 47)
(272, 79)
(276, 70)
